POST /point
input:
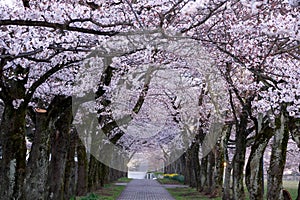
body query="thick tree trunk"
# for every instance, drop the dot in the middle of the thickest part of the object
(219, 169)
(277, 161)
(239, 157)
(70, 170)
(226, 164)
(227, 183)
(13, 164)
(192, 165)
(103, 174)
(38, 163)
(188, 169)
(254, 168)
(82, 179)
(203, 174)
(210, 172)
(91, 173)
(59, 149)
(195, 162)
(238, 169)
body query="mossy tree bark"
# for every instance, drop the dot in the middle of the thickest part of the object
(70, 171)
(203, 174)
(227, 165)
(13, 164)
(92, 179)
(210, 172)
(278, 156)
(254, 168)
(38, 163)
(82, 171)
(239, 156)
(60, 141)
(192, 165)
(219, 169)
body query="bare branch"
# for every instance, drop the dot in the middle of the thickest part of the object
(44, 77)
(59, 26)
(205, 18)
(21, 55)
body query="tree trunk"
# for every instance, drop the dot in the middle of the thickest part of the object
(38, 163)
(277, 161)
(188, 169)
(82, 169)
(195, 162)
(227, 167)
(13, 164)
(203, 174)
(239, 157)
(70, 170)
(91, 173)
(59, 149)
(254, 168)
(210, 172)
(227, 185)
(219, 169)
(103, 174)
(238, 169)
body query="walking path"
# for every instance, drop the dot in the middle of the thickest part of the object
(144, 189)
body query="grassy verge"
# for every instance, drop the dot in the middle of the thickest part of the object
(124, 180)
(292, 187)
(192, 194)
(169, 181)
(108, 192)
(188, 194)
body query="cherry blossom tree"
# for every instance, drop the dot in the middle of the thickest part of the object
(254, 46)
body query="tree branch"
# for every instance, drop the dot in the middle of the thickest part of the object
(44, 77)
(59, 26)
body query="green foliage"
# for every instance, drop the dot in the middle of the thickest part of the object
(292, 187)
(108, 192)
(188, 193)
(157, 174)
(176, 177)
(124, 180)
(91, 196)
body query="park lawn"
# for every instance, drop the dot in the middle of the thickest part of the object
(108, 192)
(191, 193)
(292, 187)
(123, 180)
(188, 194)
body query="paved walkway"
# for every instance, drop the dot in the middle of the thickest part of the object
(143, 189)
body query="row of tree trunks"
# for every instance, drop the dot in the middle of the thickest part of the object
(50, 172)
